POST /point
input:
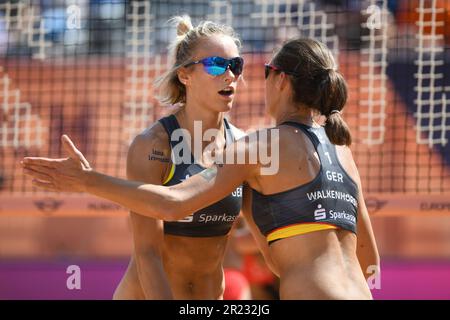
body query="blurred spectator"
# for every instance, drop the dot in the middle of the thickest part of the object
(237, 286)
(54, 23)
(246, 262)
(407, 16)
(3, 35)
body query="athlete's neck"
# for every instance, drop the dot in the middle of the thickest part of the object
(197, 122)
(300, 115)
(209, 120)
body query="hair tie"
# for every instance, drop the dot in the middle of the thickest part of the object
(335, 111)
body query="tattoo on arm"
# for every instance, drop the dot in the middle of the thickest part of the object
(158, 156)
(209, 174)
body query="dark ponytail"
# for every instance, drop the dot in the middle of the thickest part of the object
(337, 130)
(316, 83)
(333, 99)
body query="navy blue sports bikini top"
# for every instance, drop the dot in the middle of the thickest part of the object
(330, 199)
(214, 220)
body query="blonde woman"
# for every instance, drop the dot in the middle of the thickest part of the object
(183, 259)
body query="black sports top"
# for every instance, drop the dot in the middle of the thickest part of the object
(329, 201)
(214, 220)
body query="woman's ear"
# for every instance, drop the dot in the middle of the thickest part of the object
(282, 81)
(183, 76)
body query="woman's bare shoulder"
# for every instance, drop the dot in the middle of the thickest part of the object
(154, 136)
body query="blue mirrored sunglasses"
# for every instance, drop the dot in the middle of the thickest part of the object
(217, 66)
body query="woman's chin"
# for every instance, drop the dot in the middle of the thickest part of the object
(229, 107)
(225, 107)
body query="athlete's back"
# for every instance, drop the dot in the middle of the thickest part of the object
(314, 244)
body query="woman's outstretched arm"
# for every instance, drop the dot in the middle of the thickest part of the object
(74, 174)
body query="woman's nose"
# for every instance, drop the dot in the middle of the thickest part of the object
(229, 75)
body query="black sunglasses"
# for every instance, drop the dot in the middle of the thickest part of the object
(217, 66)
(268, 67)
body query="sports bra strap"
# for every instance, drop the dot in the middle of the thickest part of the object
(170, 124)
(229, 135)
(306, 130)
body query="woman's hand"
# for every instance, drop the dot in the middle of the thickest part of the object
(69, 174)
